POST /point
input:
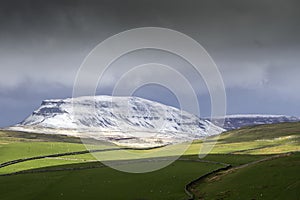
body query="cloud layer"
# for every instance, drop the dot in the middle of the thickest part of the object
(255, 44)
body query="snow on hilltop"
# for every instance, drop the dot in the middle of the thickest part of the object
(237, 121)
(117, 119)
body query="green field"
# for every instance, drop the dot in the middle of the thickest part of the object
(273, 179)
(255, 171)
(104, 183)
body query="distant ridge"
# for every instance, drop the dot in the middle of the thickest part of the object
(241, 120)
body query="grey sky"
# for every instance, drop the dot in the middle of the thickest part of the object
(255, 44)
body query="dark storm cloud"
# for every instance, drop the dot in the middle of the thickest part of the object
(18, 102)
(255, 44)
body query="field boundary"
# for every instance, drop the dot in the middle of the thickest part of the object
(189, 188)
(120, 162)
(12, 162)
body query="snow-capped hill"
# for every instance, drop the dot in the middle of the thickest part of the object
(116, 119)
(237, 121)
(255, 116)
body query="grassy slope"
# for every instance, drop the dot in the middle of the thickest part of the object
(17, 145)
(264, 139)
(235, 147)
(274, 179)
(16, 150)
(104, 183)
(262, 132)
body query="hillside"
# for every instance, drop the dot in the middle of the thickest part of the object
(130, 121)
